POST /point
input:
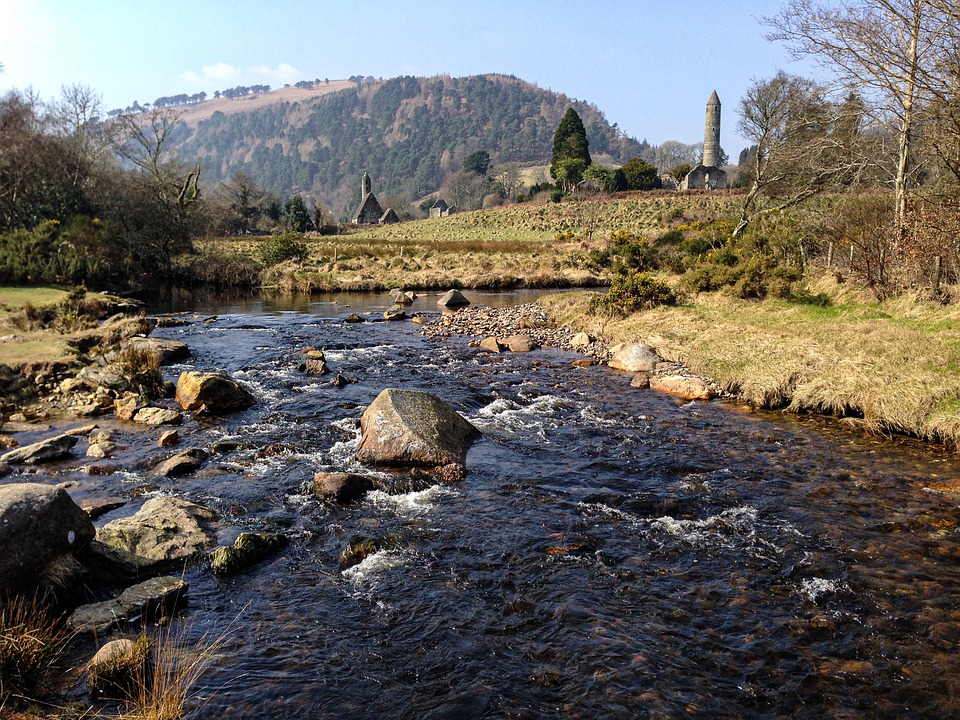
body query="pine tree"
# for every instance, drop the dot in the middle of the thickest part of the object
(569, 143)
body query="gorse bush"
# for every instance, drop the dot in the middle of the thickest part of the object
(630, 293)
(80, 251)
(282, 247)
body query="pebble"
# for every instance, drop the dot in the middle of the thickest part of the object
(529, 319)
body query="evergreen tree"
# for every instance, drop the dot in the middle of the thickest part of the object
(569, 143)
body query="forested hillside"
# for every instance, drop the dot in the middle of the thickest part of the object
(408, 133)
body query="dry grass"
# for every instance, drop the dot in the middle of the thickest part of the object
(896, 365)
(165, 688)
(32, 644)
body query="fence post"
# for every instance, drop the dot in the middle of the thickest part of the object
(937, 268)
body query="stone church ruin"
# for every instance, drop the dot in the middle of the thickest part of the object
(708, 175)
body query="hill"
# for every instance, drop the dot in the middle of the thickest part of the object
(408, 133)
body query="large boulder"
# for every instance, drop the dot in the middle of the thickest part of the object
(686, 387)
(164, 528)
(214, 392)
(38, 524)
(160, 350)
(410, 427)
(52, 448)
(638, 357)
(453, 299)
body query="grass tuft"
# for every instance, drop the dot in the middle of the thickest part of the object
(32, 643)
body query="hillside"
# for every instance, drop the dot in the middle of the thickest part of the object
(408, 133)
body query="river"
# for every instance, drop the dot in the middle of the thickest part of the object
(612, 552)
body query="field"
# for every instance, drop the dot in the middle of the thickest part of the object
(537, 244)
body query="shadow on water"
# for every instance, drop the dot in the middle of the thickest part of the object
(612, 553)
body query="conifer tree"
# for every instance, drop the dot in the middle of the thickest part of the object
(569, 144)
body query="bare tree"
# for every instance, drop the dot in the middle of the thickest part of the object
(890, 51)
(805, 144)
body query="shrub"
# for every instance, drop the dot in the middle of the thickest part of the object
(285, 246)
(630, 293)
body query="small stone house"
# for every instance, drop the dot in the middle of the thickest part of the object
(441, 209)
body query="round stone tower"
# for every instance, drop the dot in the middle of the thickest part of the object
(711, 134)
(365, 185)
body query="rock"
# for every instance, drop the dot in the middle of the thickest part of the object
(399, 297)
(638, 357)
(53, 448)
(169, 438)
(95, 378)
(100, 450)
(38, 524)
(119, 667)
(183, 463)
(341, 381)
(340, 487)
(214, 391)
(453, 298)
(247, 550)
(82, 430)
(580, 341)
(8, 443)
(155, 416)
(5, 469)
(689, 388)
(520, 343)
(97, 507)
(112, 565)
(163, 529)
(640, 380)
(353, 318)
(160, 350)
(316, 367)
(128, 406)
(156, 597)
(395, 312)
(583, 363)
(491, 344)
(410, 427)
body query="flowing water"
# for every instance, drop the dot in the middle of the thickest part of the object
(612, 552)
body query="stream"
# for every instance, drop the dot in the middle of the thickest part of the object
(612, 552)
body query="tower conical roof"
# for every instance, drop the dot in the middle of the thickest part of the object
(714, 99)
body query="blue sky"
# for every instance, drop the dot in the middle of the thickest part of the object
(649, 65)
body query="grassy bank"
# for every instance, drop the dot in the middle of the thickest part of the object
(890, 367)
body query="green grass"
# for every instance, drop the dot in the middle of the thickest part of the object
(14, 298)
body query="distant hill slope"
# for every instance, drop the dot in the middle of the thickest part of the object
(408, 133)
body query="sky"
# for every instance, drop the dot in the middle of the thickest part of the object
(649, 65)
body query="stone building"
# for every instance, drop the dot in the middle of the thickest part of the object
(708, 175)
(369, 212)
(440, 209)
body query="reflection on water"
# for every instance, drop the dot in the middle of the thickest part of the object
(327, 305)
(611, 554)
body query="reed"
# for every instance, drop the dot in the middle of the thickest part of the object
(32, 644)
(165, 688)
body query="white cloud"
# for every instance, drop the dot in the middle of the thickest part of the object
(282, 73)
(221, 71)
(223, 74)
